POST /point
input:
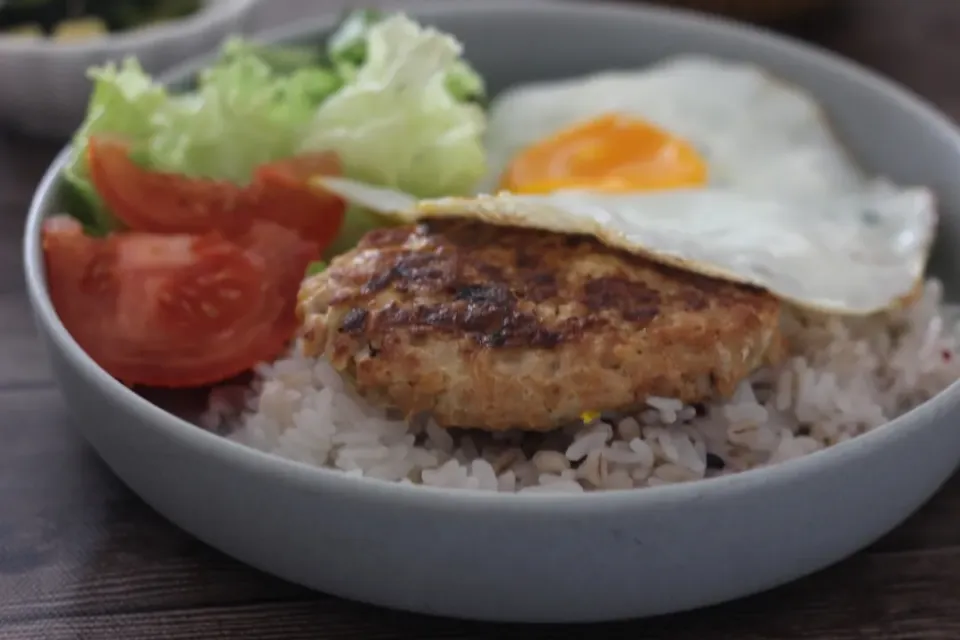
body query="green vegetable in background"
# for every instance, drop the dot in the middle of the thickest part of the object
(127, 14)
(45, 14)
(113, 15)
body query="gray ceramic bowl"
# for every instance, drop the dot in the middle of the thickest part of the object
(551, 557)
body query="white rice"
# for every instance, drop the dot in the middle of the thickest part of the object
(844, 378)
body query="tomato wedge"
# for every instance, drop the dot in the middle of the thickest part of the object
(159, 202)
(176, 310)
(283, 194)
(213, 286)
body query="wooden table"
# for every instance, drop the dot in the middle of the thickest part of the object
(82, 557)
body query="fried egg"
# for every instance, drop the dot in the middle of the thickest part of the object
(713, 167)
(850, 256)
(687, 122)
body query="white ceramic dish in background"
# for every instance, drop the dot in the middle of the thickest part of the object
(539, 557)
(44, 88)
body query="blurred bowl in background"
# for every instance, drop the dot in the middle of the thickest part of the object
(755, 10)
(44, 87)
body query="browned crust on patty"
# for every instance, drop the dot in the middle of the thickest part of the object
(498, 327)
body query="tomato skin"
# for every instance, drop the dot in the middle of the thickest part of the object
(159, 202)
(202, 285)
(135, 302)
(283, 194)
(207, 296)
(286, 257)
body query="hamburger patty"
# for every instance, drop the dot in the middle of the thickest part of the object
(500, 327)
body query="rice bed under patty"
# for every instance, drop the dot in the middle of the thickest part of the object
(844, 378)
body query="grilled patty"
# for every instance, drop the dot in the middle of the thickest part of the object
(499, 327)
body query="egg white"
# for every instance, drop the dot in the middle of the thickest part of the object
(757, 133)
(852, 256)
(786, 208)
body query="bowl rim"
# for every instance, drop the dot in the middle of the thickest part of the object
(212, 14)
(315, 479)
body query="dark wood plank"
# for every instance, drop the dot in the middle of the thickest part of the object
(13, 214)
(75, 541)
(17, 183)
(936, 526)
(23, 361)
(875, 598)
(22, 164)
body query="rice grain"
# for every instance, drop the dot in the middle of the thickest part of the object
(844, 377)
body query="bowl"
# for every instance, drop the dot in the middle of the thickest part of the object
(46, 87)
(540, 557)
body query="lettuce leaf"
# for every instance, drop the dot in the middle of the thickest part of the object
(347, 47)
(122, 102)
(242, 114)
(465, 84)
(389, 96)
(347, 51)
(280, 58)
(396, 124)
(315, 267)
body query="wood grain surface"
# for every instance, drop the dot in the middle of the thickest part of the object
(81, 557)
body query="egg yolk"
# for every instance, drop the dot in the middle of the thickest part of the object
(610, 153)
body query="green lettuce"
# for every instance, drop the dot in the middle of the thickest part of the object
(347, 52)
(122, 102)
(280, 58)
(393, 99)
(315, 267)
(241, 114)
(347, 47)
(396, 123)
